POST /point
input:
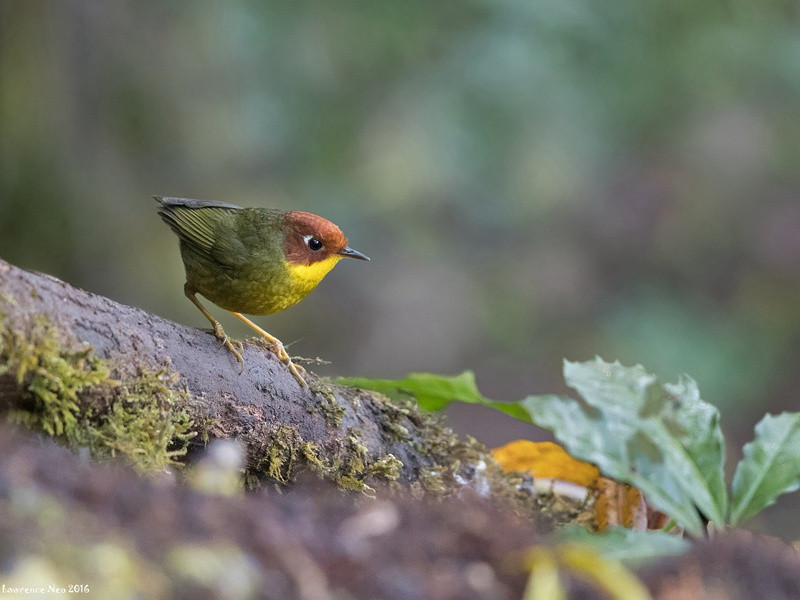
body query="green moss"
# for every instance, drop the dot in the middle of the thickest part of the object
(394, 414)
(398, 431)
(450, 461)
(432, 480)
(52, 378)
(146, 421)
(346, 462)
(386, 467)
(330, 408)
(279, 462)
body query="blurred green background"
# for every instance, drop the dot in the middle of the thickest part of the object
(532, 179)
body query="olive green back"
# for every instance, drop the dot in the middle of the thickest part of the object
(227, 235)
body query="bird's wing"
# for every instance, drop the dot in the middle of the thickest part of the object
(208, 228)
(189, 203)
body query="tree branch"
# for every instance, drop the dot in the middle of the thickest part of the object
(345, 434)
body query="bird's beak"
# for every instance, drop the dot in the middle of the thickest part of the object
(350, 253)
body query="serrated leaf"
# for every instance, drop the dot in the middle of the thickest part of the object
(633, 547)
(673, 417)
(696, 427)
(435, 392)
(662, 439)
(769, 468)
(619, 451)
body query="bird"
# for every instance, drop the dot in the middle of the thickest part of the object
(255, 261)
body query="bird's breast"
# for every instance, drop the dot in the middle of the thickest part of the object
(259, 291)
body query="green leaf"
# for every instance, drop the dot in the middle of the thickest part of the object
(769, 468)
(633, 547)
(695, 424)
(435, 392)
(661, 438)
(618, 449)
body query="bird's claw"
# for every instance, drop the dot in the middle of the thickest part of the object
(235, 346)
(299, 372)
(232, 346)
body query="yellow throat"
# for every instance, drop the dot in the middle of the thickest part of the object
(307, 277)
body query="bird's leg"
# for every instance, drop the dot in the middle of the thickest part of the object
(218, 330)
(277, 347)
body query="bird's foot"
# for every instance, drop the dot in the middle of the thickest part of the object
(296, 370)
(276, 346)
(235, 346)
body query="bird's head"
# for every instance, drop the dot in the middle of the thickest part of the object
(313, 245)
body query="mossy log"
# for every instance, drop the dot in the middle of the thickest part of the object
(97, 373)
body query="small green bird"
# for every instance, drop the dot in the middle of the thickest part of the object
(257, 261)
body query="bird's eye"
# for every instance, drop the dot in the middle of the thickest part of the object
(313, 243)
